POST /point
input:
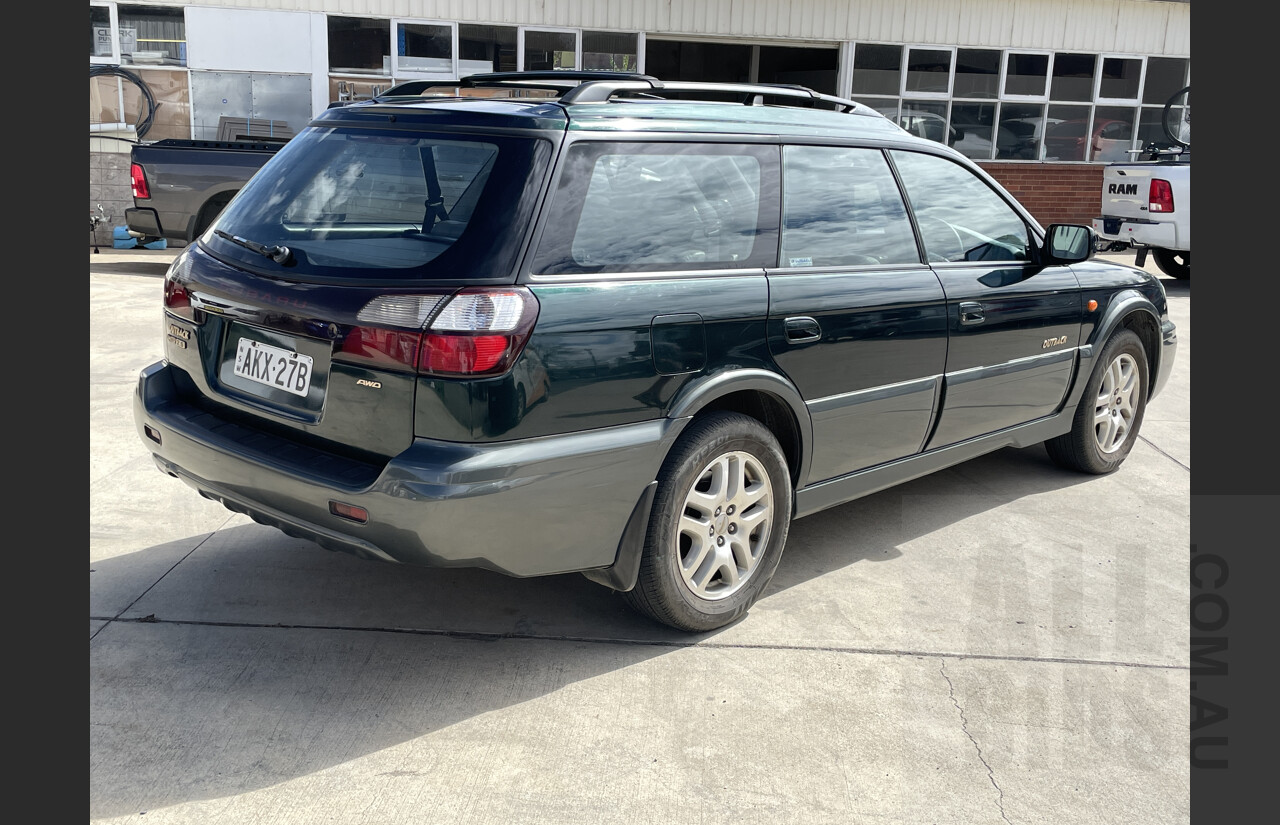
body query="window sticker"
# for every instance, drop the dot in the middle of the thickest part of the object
(801, 261)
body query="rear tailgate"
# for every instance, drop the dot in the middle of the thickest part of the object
(292, 358)
(1126, 191)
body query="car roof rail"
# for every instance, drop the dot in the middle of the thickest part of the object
(595, 86)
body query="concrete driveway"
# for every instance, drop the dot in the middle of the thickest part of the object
(1002, 642)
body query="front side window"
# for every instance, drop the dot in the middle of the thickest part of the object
(960, 217)
(842, 207)
(360, 203)
(638, 208)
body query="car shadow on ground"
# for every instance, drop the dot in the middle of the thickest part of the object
(196, 641)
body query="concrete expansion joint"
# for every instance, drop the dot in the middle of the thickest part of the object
(964, 726)
(1148, 442)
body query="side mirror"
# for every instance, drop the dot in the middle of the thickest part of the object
(1067, 243)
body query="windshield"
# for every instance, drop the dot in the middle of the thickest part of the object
(359, 203)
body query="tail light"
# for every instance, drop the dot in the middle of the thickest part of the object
(476, 332)
(138, 179)
(1161, 197)
(177, 301)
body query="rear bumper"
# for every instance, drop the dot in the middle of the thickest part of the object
(533, 507)
(143, 220)
(1138, 232)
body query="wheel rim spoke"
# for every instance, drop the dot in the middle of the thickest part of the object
(725, 525)
(1116, 404)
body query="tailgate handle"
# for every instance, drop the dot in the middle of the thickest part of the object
(971, 313)
(802, 328)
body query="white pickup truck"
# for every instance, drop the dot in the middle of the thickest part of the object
(1147, 205)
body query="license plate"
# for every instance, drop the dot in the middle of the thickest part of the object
(1111, 225)
(275, 367)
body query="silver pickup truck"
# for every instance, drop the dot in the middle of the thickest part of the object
(180, 186)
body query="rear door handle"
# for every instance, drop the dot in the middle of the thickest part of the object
(971, 312)
(802, 328)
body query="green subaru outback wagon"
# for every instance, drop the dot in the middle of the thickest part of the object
(593, 322)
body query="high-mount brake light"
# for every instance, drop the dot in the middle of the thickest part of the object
(1161, 197)
(138, 180)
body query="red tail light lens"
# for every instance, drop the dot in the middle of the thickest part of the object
(138, 179)
(177, 301)
(475, 332)
(1161, 197)
(480, 331)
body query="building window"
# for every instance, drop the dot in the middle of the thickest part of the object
(611, 51)
(877, 69)
(1120, 78)
(103, 37)
(424, 49)
(359, 45)
(152, 36)
(1025, 74)
(977, 74)
(1073, 76)
(484, 49)
(545, 49)
(928, 72)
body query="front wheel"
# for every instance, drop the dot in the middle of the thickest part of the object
(1106, 423)
(1173, 263)
(719, 522)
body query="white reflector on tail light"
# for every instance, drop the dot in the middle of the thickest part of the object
(481, 331)
(399, 310)
(176, 300)
(481, 312)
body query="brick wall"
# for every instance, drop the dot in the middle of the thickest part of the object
(1053, 192)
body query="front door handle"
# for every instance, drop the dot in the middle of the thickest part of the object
(971, 312)
(802, 328)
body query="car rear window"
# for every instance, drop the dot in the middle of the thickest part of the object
(627, 207)
(355, 203)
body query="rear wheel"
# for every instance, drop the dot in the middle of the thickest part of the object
(1173, 263)
(1106, 422)
(719, 522)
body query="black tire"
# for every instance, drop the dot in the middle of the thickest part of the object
(1106, 422)
(1173, 263)
(718, 447)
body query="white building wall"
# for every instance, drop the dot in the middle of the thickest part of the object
(1109, 26)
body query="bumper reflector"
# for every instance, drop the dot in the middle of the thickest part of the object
(349, 511)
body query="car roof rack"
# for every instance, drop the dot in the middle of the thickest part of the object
(603, 86)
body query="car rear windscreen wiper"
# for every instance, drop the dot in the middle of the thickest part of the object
(279, 254)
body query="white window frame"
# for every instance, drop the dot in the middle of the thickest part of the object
(905, 71)
(1136, 100)
(577, 44)
(1048, 77)
(114, 23)
(410, 73)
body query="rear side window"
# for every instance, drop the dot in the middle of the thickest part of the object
(960, 217)
(668, 206)
(842, 207)
(361, 203)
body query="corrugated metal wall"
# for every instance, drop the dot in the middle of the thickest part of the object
(1151, 27)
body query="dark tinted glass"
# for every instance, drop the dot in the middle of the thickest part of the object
(637, 208)
(961, 218)
(361, 203)
(1073, 76)
(842, 207)
(1120, 77)
(1026, 74)
(877, 69)
(1165, 75)
(977, 73)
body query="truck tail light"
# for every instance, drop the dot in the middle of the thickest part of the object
(138, 179)
(476, 332)
(1161, 197)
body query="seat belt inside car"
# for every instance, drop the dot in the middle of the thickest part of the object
(435, 201)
